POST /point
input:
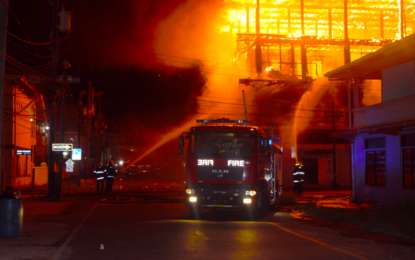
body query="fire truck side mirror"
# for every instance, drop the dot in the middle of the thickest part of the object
(181, 142)
(181, 145)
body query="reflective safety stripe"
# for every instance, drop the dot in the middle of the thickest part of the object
(298, 173)
(100, 178)
(296, 181)
(110, 176)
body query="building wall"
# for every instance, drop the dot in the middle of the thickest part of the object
(19, 133)
(392, 111)
(401, 75)
(41, 174)
(343, 168)
(324, 164)
(393, 193)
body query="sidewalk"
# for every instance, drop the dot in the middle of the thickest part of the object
(45, 224)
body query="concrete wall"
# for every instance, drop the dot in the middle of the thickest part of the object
(41, 178)
(398, 81)
(343, 168)
(41, 174)
(386, 112)
(393, 192)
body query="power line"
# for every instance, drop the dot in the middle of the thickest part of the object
(240, 104)
(29, 42)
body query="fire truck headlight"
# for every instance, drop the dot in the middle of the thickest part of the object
(250, 193)
(247, 201)
(190, 191)
(193, 199)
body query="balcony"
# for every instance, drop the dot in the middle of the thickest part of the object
(393, 111)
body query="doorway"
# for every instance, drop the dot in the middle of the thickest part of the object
(310, 170)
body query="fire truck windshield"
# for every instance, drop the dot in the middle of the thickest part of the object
(206, 144)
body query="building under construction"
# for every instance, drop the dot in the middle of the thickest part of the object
(295, 42)
(306, 38)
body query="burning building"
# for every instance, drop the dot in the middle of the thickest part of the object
(305, 39)
(291, 44)
(278, 51)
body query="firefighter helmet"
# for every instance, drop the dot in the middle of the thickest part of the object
(111, 162)
(299, 164)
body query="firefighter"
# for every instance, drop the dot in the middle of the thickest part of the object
(111, 173)
(298, 177)
(100, 175)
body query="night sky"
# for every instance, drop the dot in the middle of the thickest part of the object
(112, 47)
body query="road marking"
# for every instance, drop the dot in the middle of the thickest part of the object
(316, 241)
(285, 229)
(65, 244)
(201, 235)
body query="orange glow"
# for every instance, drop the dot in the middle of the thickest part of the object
(309, 99)
(371, 92)
(218, 38)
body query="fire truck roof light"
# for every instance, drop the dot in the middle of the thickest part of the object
(223, 120)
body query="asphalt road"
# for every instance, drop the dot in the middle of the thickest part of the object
(157, 226)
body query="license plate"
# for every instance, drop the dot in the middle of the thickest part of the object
(219, 192)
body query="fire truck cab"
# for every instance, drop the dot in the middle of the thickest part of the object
(231, 166)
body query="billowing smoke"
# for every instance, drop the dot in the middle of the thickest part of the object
(192, 35)
(171, 37)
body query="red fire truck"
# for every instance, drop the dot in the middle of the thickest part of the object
(231, 165)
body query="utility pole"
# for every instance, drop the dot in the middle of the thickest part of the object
(402, 16)
(98, 142)
(3, 36)
(258, 53)
(55, 179)
(52, 176)
(333, 114)
(346, 35)
(90, 108)
(79, 138)
(65, 65)
(62, 139)
(303, 47)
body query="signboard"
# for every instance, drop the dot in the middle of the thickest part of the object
(62, 147)
(23, 152)
(76, 154)
(69, 165)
